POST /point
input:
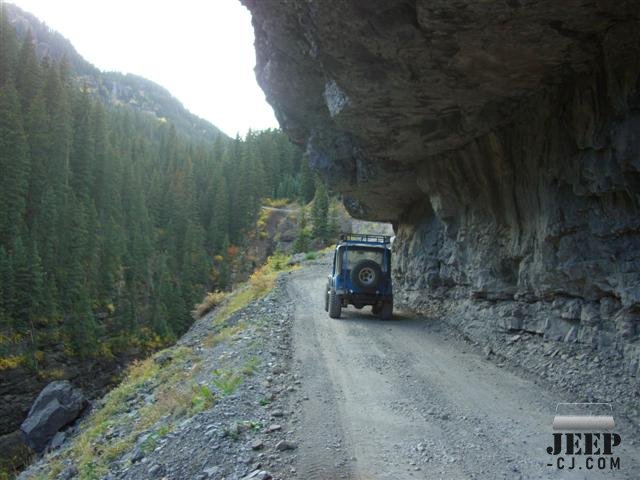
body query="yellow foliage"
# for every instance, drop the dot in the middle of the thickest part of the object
(276, 202)
(11, 339)
(262, 219)
(12, 361)
(56, 374)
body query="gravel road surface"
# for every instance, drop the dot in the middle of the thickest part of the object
(406, 399)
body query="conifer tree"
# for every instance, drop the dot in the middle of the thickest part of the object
(219, 222)
(83, 147)
(22, 282)
(6, 291)
(307, 182)
(8, 48)
(320, 212)
(37, 128)
(28, 78)
(14, 164)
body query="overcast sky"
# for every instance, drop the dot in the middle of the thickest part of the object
(200, 50)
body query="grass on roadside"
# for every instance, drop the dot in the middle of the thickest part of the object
(175, 397)
(226, 381)
(176, 394)
(260, 283)
(222, 335)
(250, 367)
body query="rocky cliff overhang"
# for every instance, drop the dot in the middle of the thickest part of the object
(377, 89)
(502, 139)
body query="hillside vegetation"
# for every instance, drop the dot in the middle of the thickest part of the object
(113, 224)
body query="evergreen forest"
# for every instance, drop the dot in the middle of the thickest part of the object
(113, 223)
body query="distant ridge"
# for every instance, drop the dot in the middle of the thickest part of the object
(112, 88)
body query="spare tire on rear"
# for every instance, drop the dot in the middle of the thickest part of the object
(366, 275)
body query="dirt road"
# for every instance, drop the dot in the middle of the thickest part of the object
(402, 399)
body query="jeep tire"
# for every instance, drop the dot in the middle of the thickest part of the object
(326, 299)
(386, 312)
(366, 275)
(335, 306)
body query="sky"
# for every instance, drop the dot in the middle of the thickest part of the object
(200, 50)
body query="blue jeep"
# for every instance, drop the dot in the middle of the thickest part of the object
(361, 275)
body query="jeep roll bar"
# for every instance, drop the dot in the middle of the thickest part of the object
(365, 238)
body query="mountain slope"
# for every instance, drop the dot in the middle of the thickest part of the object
(112, 88)
(113, 224)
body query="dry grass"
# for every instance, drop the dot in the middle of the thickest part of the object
(176, 397)
(211, 301)
(214, 339)
(260, 283)
(177, 394)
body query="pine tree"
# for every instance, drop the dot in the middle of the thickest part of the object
(159, 310)
(8, 48)
(79, 321)
(219, 222)
(194, 258)
(22, 281)
(28, 77)
(320, 212)
(14, 165)
(83, 150)
(102, 188)
(6, 291)
(56, 94)
(37, 128)
(307, 182)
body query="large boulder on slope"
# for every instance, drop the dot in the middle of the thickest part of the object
(58, 404)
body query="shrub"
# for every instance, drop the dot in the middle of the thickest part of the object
(203, 399)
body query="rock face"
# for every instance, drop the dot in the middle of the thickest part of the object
(57, 405)
(502, 139)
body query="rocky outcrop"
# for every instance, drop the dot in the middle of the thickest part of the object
(502, 139)
(57, 406)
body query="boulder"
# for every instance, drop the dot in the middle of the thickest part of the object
(58, 404)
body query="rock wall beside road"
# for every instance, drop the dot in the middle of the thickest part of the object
(502, 139)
